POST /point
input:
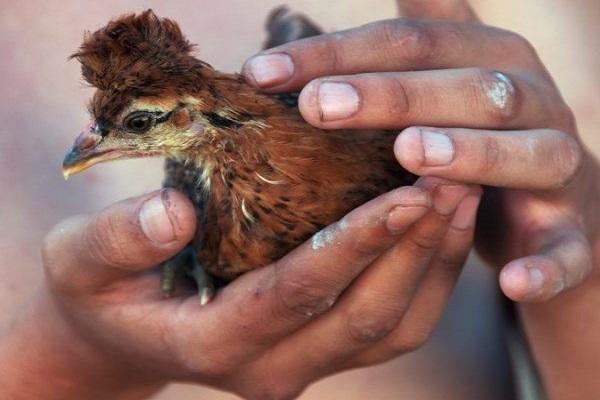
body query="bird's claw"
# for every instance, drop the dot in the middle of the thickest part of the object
(186, 262)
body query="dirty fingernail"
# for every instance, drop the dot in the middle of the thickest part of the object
(438, 148)
(154, 220)
(271, 69)
(337, 101)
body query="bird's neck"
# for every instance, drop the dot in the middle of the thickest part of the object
(230, 93)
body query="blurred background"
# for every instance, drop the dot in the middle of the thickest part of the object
(42, 108)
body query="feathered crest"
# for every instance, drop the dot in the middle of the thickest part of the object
(140, 55)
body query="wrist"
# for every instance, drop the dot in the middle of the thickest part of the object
(43, 356)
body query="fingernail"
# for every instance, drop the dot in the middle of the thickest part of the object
(438, 148)
(536, 281)
(464, 217)
(448, 197)
(337, 101)
(400, 218)
(155, 221)
(271, 69)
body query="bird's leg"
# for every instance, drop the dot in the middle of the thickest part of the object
(204, 281)
(172, 269)
(186, 262)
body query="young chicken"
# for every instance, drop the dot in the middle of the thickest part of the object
(262, 179)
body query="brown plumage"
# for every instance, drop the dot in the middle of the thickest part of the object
(263, 180)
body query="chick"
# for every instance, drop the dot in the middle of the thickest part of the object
(262, 179)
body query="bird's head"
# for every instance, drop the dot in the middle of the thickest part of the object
(147, 92)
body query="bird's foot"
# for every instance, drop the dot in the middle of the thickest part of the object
(186, 263)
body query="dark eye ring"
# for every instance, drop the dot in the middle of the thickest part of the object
(139, 122)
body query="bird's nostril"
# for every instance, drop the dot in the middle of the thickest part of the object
(88, 142)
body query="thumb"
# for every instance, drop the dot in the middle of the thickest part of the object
(561, 260)
(88, 252)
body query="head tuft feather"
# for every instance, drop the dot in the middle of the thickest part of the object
(139, 55)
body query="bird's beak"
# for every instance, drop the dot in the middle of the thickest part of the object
(86, 151)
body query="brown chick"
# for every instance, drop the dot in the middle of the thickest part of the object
(262, 179)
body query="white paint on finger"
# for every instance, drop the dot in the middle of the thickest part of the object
(322, 239)
(500, 91)
(328, 235)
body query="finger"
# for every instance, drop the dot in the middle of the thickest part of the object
(563, 261)
(448, 10)
(363, 315)
(88, 252)
(394, 45)
(536, 159)
(433, 291)
(286, 295)
(470, 98)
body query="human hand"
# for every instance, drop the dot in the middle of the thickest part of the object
(269, 333)
(516, 132)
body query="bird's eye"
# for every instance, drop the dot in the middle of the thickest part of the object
(139, 122)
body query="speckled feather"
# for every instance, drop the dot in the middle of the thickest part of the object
(262, 179)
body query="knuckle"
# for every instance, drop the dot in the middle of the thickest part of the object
(365, 245)
(263, 380)
(361, 243)
(424, 241)
(105, 242)
(379, 356)
(213, 363)
(519, 45)
(399, 100)
(52, 252)
(570, 159)
(306, 296)
(498, 98)
(216, 368)
(332, 51)
(410, 37)
(407, 342)
(102, 241)
(493, 154)
(273, 391)
(451, 264)
(565, 118)
(370, 325)
(49, 245)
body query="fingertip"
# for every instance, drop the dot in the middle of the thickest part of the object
(408, 149)
(181, 213)
(166, 217)
(247, 74)
(532, 279)
(139, 232)
(514, 281)
(268, 71)
(308, 103)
